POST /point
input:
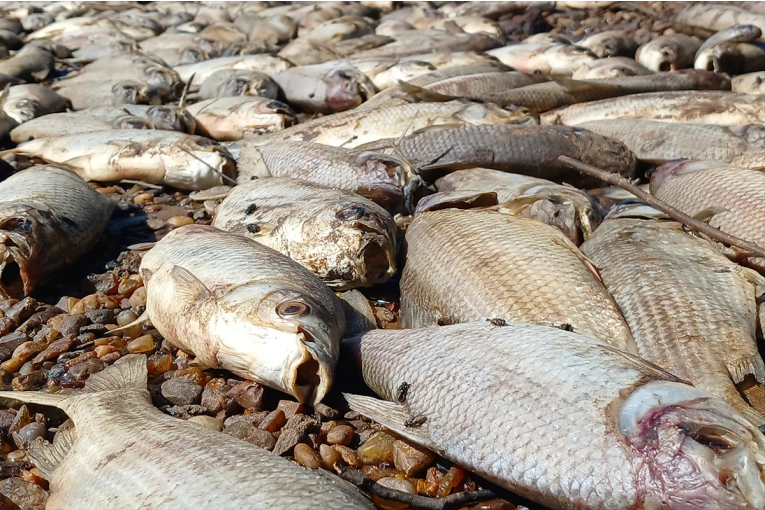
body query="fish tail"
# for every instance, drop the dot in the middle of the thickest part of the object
(741, 368)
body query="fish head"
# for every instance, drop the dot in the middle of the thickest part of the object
(129, 92)
(21, 229)
(659, 56)
(692, 450)
(385, 177)
(171, 119)
(131, 122)
(568, 58)
(282, 337)
(674, 168)
(191, 55)
(347, 88)
(265, 116)
(163, 81)
(21, 109)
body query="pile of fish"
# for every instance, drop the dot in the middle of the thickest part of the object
(326, 255)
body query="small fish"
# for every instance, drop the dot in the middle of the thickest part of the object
(546, 58)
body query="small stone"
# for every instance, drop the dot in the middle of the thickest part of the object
(6, 325)
(80, 371)
(290, 408)
(127, 286)
(100, 316)
(287, 441)
(138, 298)
(110, 357)
(251, 434)
(274, 421)
(325, 411)
(22, 310)
(66, 303)
(106, 283)
(329, 456)
(194, 374)
(140, 345)
(159, 364)
(30, 381)
(348, 455)
(29, 433)
(306, 457)
(155, 223)
(142, 198)
(378, 448)
(126, 317)
(27, 495)
(21, 419)
(248, 394)
(181, 391)
(207, 422)
(341, 434)
(26, 350)
(95, 329)
(179, 221)
(376, 472)
(7, 416)
(215, 399)
(71, 324)
(35, 476)
(254, 419)
(409, 459)
(184, 412)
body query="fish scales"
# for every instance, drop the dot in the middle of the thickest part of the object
(691, 310)
(553, 416)
(466, 265)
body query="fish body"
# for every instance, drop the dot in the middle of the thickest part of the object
(343, 238)
(668, 52)
(470, 265)
(732, 58)
(735, 34)
(28, 101)
(117, 428)
(695, 186)
(239, 305)
(566, 421)
(707, 18)
(49, 217)
(230, 118)
(691, 310)
(266, 64)
(545, 58)
(153, 156)
(610, 68)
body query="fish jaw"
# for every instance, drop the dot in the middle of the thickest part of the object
(692, 450)
(18, 248)
(347, 89)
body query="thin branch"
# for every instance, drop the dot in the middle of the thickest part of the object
(452, 501)
(688, 221)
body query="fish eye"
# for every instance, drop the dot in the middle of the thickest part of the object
(353, 212)
(292, 309)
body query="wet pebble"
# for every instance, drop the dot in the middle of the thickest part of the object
(306, 456)
(247, 394)
(207, 422)
(179, 221)
(181, 391)
(30, 381)
(410, 459)
(22, 310)
(251, 434)
(100, 316)
(140, 345)
(29, 433)
(27, 495)
(341, 434)
(274, 421)
(378, 448)
(81, 371)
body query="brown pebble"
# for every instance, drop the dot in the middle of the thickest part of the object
(55, 349)
(111, 357)
(348, 455)
(140, 345)
(142, 198)
(22, 310)
(287, 441)
(179, 221)
(378, 448)
(214, 399)
(290, 408)
(409, 459)
(127, 286)
(155, 223)
(81, 371)
(194, 374)
(251, 434)
(159, 364)
(341, 434)
(32, 380)
(325, 411)
(306, 457)
(274, 421)
(248, 395)
(138, 298)
(329, 456)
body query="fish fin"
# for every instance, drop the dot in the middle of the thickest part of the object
(48, 457)
(392, 416)
(645, 366)
(456, 200)
(519, 203)
(76, 162)
(424, 94)
(359, 316)
(739, 369)
(707, 214)
(140, 320)
(131, 373)
(186, 286)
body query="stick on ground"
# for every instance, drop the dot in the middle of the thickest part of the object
(688, 221)
(452, 501)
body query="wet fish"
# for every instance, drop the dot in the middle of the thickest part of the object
(438, 151)
(238, 82)
(258, 314)
(469, 265)
(561, 206)
(611, 67)
(610, 43)
(691, 310)
(733, 58)
(376, 176)
(545, 58)
(657, 142)
(695, 186)
(668, 52)
(346, 240)
(157, 157)
(230, 118)
(707, 18)
(700, 107)
(356, 127)
(323, 89)
(117, 428)
(543, 390)
(749, 83)
(49, 217)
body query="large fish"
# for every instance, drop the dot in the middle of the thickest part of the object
(706, 18)
(153, 156)
(230, 118)
(668, 52)
(546, 58)
(346, 240)
(202, 70)
(562, 419)
(49, 217)
(239, 305)
(117, 429)
(324, 89)
(692, 311)
(696, 186)
(732, 58)
(477, 264)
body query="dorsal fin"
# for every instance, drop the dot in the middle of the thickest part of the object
(130, 373)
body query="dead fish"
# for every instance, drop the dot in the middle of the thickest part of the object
(386, 73)
(271, 31)
(561, 206)
(623, 414)
(107, 93)
(749, 83)
(707, 18)
(691, 310)
(545, 58)
(166, 42)
(157, 157)
(26, 102)
(611, 67)
(436, 152)
(30, 63)
(376, 176)
(483, 85)
(610, 43)
(238, 82)
(323, 89)
(700, 107)
(466, 265)
(105, 429)
(344, 27)
(260, 315)
(416, 42)
(49, 218)
(657, 142)
(230, 118)
(548, 38)
(693, 186)
(470, 24)
(266, 64)
(668, 52)
(541, 97)
(732, 34)
(344, 239)
(733, 58)
(356, 127)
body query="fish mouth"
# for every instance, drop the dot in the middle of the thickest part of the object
(13, 280)
(311, 376)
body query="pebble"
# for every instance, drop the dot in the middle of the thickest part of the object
(29, 433)
(194, 374)
(30, 381)
(140, 345)
(100, 316)
(55, 349)
(185, 412)
(106, 283)
(181, 391)
(81, 371)
(207, 422)
(126, 317)
(290, 408)
(26, 495)
(142, 198)
(341, 434)
(71, 324)
(378, 448)
(410, 459)
(179, 221)
(329, 456)
(325, 411)
(214, 399)
(248, 394)
(287, 441)
(155, 223)
(127, 286)
(348, 455)
(22, 310)
(306, 457)
(251, 434)
(138, 298)
(159, 364)
(274, 421)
